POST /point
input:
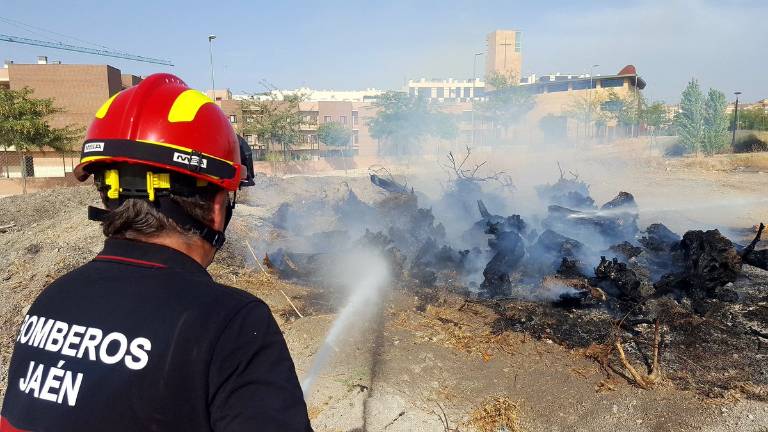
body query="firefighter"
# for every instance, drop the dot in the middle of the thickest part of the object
(141, 338)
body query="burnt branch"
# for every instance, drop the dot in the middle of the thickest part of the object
(644, 381)
(457, 168)
(754, 242)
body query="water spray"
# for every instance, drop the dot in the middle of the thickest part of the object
(364, 274)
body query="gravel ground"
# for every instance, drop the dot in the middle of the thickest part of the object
(404, 371)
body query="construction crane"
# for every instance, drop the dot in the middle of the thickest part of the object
(95, 51)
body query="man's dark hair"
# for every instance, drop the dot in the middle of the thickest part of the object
(136, 218)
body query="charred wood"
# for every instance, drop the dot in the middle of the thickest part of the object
(567, 192)
(618, 280)
(626, 250)
(756, 258)
(707, 261)
(623, 200)
(592, 227)
(389, 185)
(509, 252)
(659, 238)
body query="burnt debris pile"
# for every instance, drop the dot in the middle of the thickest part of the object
(574, 271)
(582, 250)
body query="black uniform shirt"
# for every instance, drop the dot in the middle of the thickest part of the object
(142, 339)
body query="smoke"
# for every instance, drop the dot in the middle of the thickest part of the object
(363, 275)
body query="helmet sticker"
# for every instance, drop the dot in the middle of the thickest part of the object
(190, 160)
(93, 147)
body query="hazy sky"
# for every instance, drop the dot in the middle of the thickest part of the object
(360, 44)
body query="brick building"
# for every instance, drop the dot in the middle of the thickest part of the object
(350, 109)
(78, 89)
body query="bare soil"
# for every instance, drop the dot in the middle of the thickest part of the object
(433, 365)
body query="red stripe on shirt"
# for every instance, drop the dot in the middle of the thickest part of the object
(6, 426)
(129, 260)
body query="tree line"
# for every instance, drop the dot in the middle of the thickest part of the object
(403, 122)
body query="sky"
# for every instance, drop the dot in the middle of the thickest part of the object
(347, 45)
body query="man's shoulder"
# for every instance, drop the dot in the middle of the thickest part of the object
(235, 295)
(195, 288)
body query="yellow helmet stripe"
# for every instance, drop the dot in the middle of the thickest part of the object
(186, 106)
(105, 107)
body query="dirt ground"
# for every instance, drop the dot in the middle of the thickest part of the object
(432, 368)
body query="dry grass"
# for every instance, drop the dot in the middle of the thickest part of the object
(496, 414)
(728, 162)
(458, 328)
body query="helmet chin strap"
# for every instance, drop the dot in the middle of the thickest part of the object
(172, 210)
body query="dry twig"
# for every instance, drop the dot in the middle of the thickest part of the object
(470, 174)
(255, 258)
(291, 303)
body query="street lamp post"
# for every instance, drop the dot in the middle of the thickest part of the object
(735, 118)
(474, 80)
(210, 51)
(589, 99)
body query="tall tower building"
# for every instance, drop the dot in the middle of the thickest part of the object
(505, 55)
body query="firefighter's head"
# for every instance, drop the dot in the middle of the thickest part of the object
(166, 162)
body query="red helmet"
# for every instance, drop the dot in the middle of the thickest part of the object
(163, 123)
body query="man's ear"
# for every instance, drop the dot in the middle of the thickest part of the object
(220, 203)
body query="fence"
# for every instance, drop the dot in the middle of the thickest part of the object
(16, 164)
(23, 171)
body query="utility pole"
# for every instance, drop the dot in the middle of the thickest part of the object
(211, 37)
(735, 118)
(589, 99)
(474, 80)
(637, 108)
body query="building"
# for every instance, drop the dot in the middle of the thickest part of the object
(556, 94)
(446, 90)
(505, 54)
(76, 88)
(352, 109)
(79, 89)
(761, 104)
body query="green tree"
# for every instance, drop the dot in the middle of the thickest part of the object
(506, 104)
(690, 120)
(654, 116)
(715, 122)
(587, 109)
(274, 118)
(751, 119)
(334, 134)
(24, 126)
(24, 123)
(402, 121)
